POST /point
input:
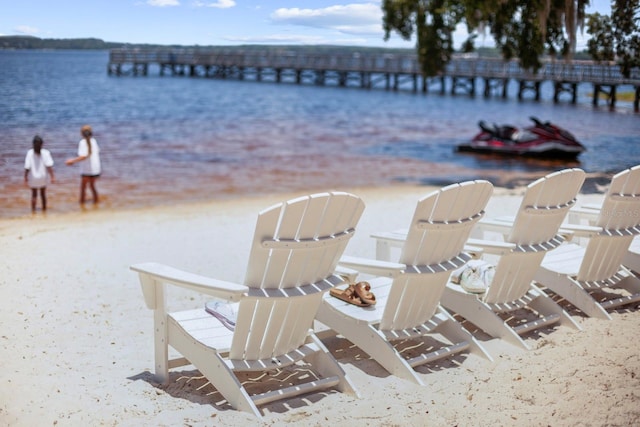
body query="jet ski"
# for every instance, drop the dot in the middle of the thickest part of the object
(543, 139)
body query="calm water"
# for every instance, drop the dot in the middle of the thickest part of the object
(171, 139)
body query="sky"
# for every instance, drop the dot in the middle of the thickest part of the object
(215, 22)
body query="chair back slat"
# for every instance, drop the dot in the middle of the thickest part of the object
(513, 276)
(439, 229)
(442, 222)
(293, 247)
(620, 211)
(621, 206)
(603, 257)
(544, 206)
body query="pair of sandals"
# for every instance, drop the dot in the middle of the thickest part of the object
(356, 293)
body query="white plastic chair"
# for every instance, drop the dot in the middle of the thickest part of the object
(408, 292)
(295, 251)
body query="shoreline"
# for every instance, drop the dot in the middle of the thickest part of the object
(78, 340)
(595, 183)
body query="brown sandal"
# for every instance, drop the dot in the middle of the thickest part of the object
(348, 295)
(362, 290)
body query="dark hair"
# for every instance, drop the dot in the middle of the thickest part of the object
(37, 144)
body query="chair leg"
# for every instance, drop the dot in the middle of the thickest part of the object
(570, 290)
(455, 332)
(631, 284)
(632, 261)
(327, 366)
(544, 305)
(215, 369)
(160, 345)
(370, 341)
(481, 315)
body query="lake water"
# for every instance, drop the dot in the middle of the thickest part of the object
(167, 140)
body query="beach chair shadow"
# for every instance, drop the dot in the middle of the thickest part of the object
(293, 257)
(347, 352)
(593, 276)
(408, 293)
(193, 386)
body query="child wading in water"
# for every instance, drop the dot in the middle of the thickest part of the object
(37, 164)
(89, 155)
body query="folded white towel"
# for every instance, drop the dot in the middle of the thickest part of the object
(475, 276)
(225, 312)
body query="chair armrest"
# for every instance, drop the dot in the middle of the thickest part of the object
(580, 230)
(585, 210)
(151, 273)
(592, 206)
(372, 266)
(492, 247)
(396, 237)
(474, 251)
(579, 213)
(347, 273)
(499, 225)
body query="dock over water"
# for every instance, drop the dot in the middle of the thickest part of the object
(391, 71)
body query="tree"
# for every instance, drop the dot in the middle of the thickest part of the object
(522, 29)
(601, 45)
(626, 29)
(616, 37)
(433, 22)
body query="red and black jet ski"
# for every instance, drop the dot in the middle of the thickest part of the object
(543, 139)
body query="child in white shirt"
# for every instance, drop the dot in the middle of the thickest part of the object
(37, 164)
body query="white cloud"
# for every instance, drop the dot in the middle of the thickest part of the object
(163, 3)
(218, 4)
(277, 38)
(25, 29)
(351, 18)
(293, 39)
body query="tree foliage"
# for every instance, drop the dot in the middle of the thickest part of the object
(625, 18)
(523, 29)
(616, 37)
(601, 45)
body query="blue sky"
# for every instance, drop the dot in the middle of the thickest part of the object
(211, 22)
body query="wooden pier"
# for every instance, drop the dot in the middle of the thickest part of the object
(390, 71)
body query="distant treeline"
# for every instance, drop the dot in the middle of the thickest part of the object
(30, 42)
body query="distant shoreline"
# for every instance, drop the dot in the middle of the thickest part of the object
(31, 42)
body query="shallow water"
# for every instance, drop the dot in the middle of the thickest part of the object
(166, 140)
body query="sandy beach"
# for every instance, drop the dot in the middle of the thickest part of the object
(77, 339)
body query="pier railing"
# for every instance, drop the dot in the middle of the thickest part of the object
(371, 67)
(574, 71)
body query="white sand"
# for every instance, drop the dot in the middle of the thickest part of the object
(76, 337)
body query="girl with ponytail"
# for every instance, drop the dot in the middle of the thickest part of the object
(89, 156)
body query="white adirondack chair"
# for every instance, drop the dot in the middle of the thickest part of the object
(586, 275)
(590, 212)
(512, 305)
(295, 251)
(631, 259)
(408, 293)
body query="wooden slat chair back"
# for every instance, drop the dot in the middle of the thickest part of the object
(512, 305)
(295, 251)
(441, 225)
(544, 207)
(592, 276)
(407, 293)
(620, 221)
